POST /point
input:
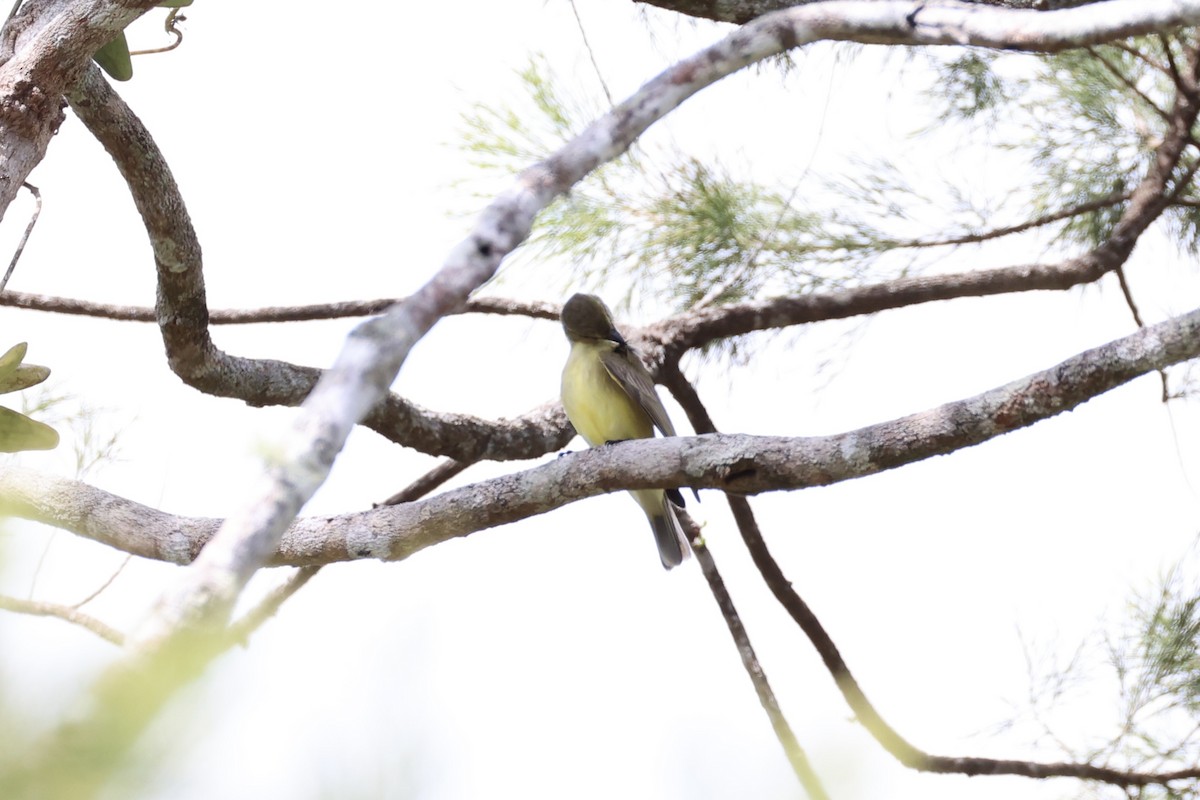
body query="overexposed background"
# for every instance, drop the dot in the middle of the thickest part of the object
(555, 658)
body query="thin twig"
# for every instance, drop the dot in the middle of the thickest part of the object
(104, 585)
(426, 483)
(592, 55)
(891, 740)
(66, 613)
(37, 211)
(239, 632)
(766, 697)
(1137, 318)
(1143, 57)
(1126, 82)
(1172, 66)
(697, 414)
(1009, 230)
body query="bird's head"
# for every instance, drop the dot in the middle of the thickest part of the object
(585, 317)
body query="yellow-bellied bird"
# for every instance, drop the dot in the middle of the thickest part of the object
(609, 397)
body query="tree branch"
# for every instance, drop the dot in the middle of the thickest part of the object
(766, 697)
(43, 49)
(741, 464)
(184, 315)
(241, 630)
(1153, 194)
(891, 740)
(66, 613)
(268, 314)
(685, 393)
(183, 632)
(856, 698)
(743, 11)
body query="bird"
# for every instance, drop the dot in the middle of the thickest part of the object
(609, 397)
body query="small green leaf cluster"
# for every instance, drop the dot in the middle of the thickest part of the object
(17, 431)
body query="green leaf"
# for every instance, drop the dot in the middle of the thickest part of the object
(12, 359)
(175, 4)
(18, 432)
(114, 58)
(23, 377)
(14, 375)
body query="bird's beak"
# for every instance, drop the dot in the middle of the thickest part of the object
(614, 336)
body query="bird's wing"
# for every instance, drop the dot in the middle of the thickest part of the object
(625, 366)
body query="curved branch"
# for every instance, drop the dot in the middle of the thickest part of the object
(736, 463)
(43, 49)
(182, 312)
(891, 740)
(183, 316)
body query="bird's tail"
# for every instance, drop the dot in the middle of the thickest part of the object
(673, 545)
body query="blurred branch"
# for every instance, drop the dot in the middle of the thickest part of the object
(1021, 227)
(1145, 203)
(66, 613)
(1124, 80)
(107, 582)
(240, 631)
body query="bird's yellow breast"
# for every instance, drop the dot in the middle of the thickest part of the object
(596, 404)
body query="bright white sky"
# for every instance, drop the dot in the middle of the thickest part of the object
(554, 658)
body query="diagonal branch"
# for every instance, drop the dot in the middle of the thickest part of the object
(683, 391)
(891, 740)
(766, 696)
(856, 698)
